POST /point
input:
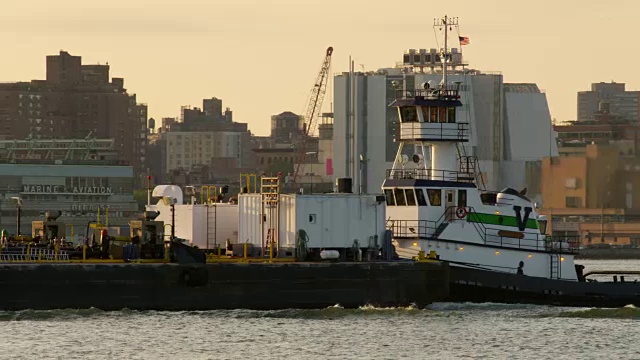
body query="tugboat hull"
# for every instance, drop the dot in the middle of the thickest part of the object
(477, 285)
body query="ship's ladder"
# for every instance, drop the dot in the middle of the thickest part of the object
(269, 243)
(270, 194)
(555, 268)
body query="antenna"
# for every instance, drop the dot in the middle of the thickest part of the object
(446, 22)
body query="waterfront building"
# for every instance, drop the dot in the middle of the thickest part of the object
(81, 178)
(206, 145)
(612, 96)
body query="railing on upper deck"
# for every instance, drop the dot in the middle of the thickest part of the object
(450, 93)
(430, 174)
(434, 131)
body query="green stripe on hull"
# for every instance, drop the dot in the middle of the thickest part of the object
(493, 219)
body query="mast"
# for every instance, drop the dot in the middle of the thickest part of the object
(447, 22)
(444, 59)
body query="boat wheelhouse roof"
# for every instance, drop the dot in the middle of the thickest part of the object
(514, 192)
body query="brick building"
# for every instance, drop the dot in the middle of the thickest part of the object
(76, 101)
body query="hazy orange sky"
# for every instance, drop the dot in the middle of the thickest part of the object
(261, 56)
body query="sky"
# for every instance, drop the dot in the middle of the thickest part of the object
(261, 57)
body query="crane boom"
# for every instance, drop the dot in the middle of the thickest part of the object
(313, 111)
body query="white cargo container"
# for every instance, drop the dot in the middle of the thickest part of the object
(331, 221)
(206, 226)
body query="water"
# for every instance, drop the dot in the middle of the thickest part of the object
(442, 331)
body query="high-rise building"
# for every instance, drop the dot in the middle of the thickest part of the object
(212, 107)
(286, 127)
(76, 101)
(611, 98)
(510, 124)
(205, 142)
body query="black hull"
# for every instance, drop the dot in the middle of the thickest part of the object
(474, 285)
(221, 286)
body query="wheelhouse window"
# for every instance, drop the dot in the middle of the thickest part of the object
(451, 114)
(388, 195)
(426, 114)
(435, 197)
(462, 198)
(408, 114)
(442, 114)
(400, 199)
(411, 199)
(433, 114)
(422, 201)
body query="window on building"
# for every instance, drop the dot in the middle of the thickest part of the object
(422, 201)
(435, 197)
(573, 202)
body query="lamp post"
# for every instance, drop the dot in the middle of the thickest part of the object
(148, 190)
(18, 201)
(362, 160)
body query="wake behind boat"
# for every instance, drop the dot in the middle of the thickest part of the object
(495, 241)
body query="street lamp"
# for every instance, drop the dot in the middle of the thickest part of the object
(18, 202)
(362, 160)
(311, 168)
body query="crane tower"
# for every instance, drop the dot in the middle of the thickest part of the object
(314, 107)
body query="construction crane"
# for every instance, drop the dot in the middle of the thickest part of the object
(313, 112)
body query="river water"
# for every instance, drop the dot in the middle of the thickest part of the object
(442, 331)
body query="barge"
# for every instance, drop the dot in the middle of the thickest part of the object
(289, 251)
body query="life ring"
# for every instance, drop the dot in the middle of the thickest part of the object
(461, 212)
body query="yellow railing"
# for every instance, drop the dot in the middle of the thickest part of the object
(248, 177)
(73, 237)
(207, 190)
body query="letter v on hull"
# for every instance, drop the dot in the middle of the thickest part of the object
(522, 222)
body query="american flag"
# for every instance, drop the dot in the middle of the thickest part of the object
(463, 40)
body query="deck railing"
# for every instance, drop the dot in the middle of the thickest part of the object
(450, 93)
(435, 131)
(430, 174)
(501, 238)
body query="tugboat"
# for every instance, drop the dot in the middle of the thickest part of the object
(495, 242)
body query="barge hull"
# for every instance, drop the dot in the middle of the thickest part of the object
(221, 286)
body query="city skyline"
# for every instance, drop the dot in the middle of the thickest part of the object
(261, 59)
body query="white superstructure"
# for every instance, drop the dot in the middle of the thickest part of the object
(498, 113)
